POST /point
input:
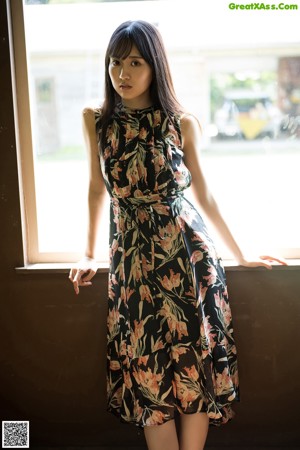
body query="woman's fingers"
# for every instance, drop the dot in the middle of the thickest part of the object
(72, 274)
(80, 277)
(259, 263)
(263, 261)
(89, 275)
(274, 258)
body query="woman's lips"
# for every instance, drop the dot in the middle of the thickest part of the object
(125, 87)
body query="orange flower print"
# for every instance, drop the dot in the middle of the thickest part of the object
(157, 118)
(181, 223)
(123, 352)
(126, 293)
(192, 372)
(115, 171)
(138, 329)
(181, 175)
(118, 395)
(191, 292)
(121, 191)
(212, 278)
(196, 256)
(123, 294)
(113, 320)
(136, 271)
(156, 418)
(163, 266)
(142, 214)
(224, 306)
(145, 266)
(138, 411)
(106, 153)
(130, 132)
(227, 314)
(174, 324)
(158, 162)
(177, 351)
(184, 393)
(148, 380)
(158, 345)
(127, 379)
(207, 328)
(145, 293)
(111, 292)
(113, 248)
(114, 365)
(129, 292)
(111, 134)
(171, 282)
(168, 337)
(223, 382)
(161, 209)
(121, 271)
(143, 133)
(173, 135)
(181, 329)
(143, 360)
(132, 174)
(138, 193)
(167, 242)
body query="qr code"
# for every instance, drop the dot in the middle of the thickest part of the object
(15, 433)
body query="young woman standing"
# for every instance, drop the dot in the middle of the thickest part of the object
(170, 343)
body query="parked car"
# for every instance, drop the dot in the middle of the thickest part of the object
(247, 114)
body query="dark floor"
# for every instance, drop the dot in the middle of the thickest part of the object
(144, 448)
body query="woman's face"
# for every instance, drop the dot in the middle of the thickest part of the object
(131, 78)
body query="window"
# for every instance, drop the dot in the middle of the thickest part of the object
(232, 68)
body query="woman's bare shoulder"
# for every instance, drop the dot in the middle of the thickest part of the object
(191, 130)
(91, 113)
(91, 117)
(189, 121)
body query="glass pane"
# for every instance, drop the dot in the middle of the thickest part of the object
(238, 71)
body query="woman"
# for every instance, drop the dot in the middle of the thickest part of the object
(170, 342)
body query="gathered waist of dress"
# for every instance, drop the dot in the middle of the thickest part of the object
(144, 201)
(151, 210)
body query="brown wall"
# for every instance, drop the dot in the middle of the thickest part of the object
(53, 342)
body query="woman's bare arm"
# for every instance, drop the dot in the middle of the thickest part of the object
(191, 142)
(86, 268)
(97, 191)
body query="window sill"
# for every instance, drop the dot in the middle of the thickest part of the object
(230, 266)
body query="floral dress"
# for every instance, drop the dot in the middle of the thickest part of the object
(170, 343)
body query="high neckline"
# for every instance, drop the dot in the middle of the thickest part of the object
(137, 111)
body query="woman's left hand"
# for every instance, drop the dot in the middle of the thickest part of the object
(262, 261)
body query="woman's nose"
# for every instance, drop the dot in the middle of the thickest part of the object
(123, 75)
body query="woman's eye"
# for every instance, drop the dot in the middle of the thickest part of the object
(114, 62)
(135, 63)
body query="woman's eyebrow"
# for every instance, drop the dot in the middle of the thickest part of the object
(135, 57)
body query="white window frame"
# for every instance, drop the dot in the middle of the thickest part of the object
(32, 255)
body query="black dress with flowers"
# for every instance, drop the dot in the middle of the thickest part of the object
(170, 343)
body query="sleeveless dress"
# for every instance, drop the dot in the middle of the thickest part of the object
(170, 343)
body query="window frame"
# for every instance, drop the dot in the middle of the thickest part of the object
(22, 115)
(25, 157)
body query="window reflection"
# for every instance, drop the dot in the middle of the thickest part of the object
(257, 105)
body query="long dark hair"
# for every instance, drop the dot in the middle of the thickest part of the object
(148, 41)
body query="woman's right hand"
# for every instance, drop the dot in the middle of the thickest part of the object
(83, 272)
